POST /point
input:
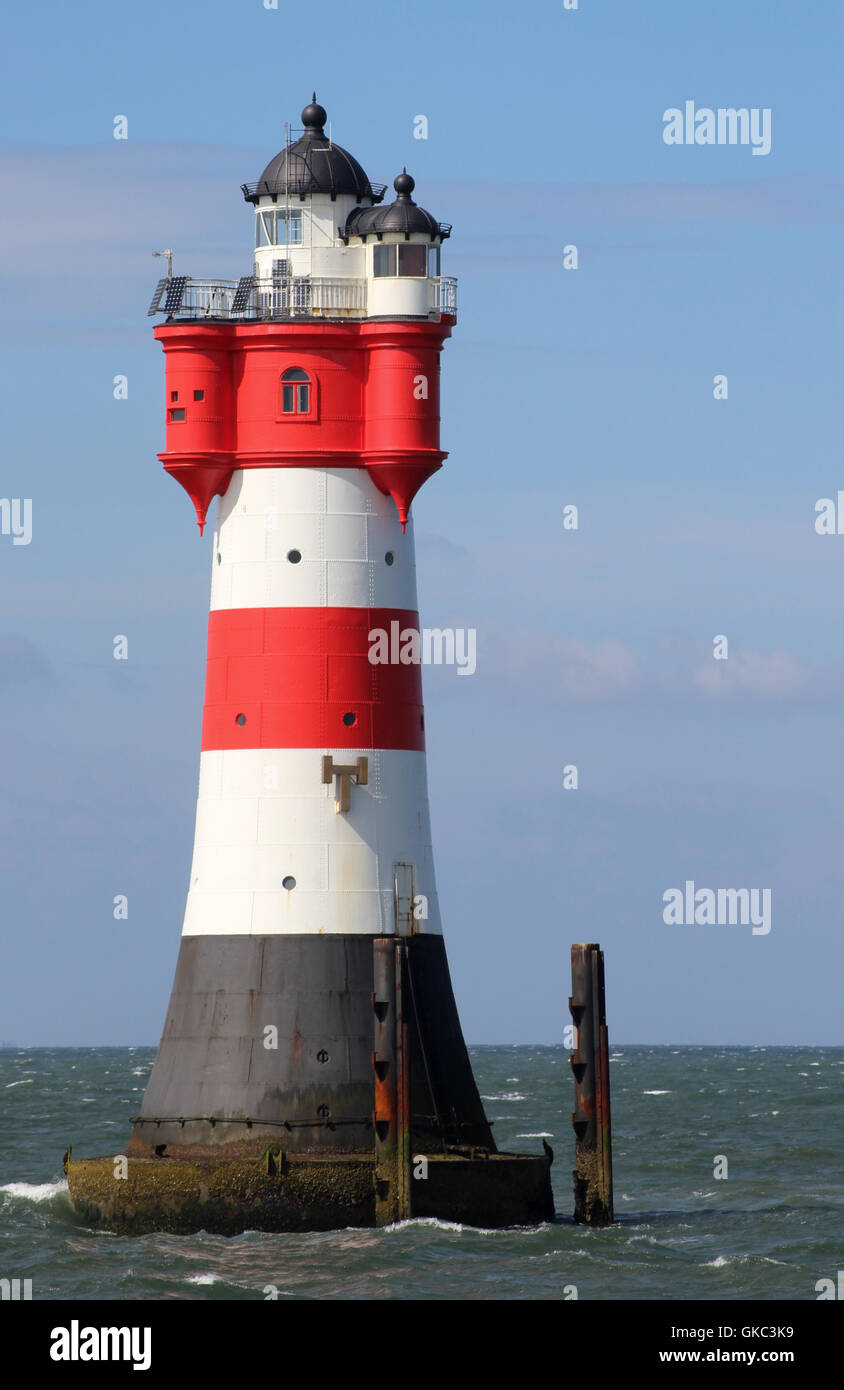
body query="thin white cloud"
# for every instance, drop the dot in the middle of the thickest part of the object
(768, 674)
(572, 670)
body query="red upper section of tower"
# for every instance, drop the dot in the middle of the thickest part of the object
(302, 678)
(343, 394)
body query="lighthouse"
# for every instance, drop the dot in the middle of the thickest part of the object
(312, 1072)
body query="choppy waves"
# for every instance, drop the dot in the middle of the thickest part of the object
(768, 1230)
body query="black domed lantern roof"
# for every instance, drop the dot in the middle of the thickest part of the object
(313, 164)
(402, 216)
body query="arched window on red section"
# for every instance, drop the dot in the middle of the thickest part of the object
(295, 392)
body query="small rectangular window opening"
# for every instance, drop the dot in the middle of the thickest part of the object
(265, 228)
(412, 259)
(177, 414)
(384, 260)
(290, 227)
(174, 395)
(199, 395)
(295, 398)
(278, 228)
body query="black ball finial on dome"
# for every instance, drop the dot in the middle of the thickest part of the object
(314, 116)
(404, 184)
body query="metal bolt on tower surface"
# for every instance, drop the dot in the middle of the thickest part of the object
(312, 1054)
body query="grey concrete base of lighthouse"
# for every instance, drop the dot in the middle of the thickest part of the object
(259, 1113)
(302, 1194)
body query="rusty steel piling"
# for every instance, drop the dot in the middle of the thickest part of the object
(391, 1115)
(593, 1195)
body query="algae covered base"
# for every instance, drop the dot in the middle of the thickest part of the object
(293, 1193)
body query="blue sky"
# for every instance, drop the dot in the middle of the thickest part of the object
(591, 387)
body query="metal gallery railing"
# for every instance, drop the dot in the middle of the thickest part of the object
(280, 297)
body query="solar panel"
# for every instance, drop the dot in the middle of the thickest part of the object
(301, 292)
(280, 269)
(175, 293)
(156, 298)
(245, 286)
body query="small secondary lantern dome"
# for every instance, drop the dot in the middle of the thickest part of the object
(402, 216)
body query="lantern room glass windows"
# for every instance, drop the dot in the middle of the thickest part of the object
(413, 259)
(278, 227)
(383, 260)
(295, 392)
(406, 258)
(264, 228)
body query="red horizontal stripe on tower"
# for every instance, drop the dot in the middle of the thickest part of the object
(302, 678)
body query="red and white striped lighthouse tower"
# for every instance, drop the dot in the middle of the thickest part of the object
(312, 1071)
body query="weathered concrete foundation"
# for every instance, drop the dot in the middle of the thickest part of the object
(226, 1196)
(363, 1110)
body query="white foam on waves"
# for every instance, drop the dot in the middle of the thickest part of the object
(35, 1191)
